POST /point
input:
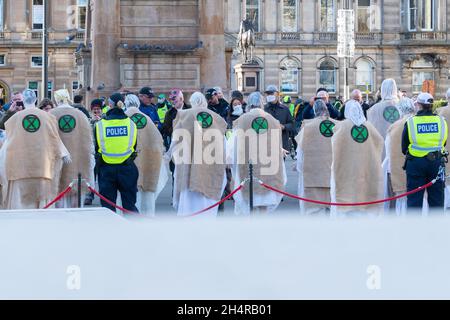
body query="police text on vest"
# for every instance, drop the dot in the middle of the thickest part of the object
(112, 132)
(427, 128)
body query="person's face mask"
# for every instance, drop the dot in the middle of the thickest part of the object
(160, 100)
(237, 110)
(271, 99)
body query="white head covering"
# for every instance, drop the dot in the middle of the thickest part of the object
(320, 109)
(354, 112)
(389, 90)
(62, 97)
(255, 100)
(198, 100)
(29, 98)
(132, 100)
(406, 106)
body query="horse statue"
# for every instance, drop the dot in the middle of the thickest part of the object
(246, 39)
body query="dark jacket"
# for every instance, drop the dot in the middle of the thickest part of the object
(167, 127)
(8, 114)
(309, 112)
(80, 107)
(151, 112)
(282, 114)
(221, 109)
(365, 107)
(113, 114)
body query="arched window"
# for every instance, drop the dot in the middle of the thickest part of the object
(328, 75)
(289, 76)
(422, 70)
(364, 75)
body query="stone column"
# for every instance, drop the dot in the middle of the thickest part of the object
(105, 40)
(213, 66)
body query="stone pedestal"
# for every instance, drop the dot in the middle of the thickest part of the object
(248, 77)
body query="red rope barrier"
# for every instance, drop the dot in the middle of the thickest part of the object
(348, 204)
(109, 201)
(218, 203)
(60, 196)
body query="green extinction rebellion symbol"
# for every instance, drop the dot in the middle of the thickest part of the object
(31, 123)
(260, 125)
(205, 120)
(140, 120)
(326, 128)
(67, 123)
(391, 114)
(360, 134)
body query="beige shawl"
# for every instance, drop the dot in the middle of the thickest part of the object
(265, 147)
(397, 158)
(76, 134)
(150, 150)
(356, 166)
(32, 154)
(203, 178)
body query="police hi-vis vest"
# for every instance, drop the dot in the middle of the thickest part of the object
(426, 134)
(162, 113)
(116, 140)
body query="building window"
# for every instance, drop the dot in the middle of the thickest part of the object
(363, 16)
(421, 13)
(36, 61)
(81, 14)
(34, 85)
(2, 60)
(253, 12)
(289, 76)
(364, 75)
(289, 16)
(38, 14)
(327, 15)
(328, 75)
(422, 70)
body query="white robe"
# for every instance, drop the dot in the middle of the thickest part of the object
(401, 205)
(12, 190)
(146, 201)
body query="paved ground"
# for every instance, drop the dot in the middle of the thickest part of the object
(163, 205)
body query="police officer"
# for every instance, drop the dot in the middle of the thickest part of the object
(163, 107)
(116, 139)
(423, 142)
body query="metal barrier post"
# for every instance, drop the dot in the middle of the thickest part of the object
(79, 190)
(250, 171)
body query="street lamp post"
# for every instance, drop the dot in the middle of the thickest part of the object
(45, 51)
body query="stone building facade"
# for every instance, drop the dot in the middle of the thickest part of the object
(161, 44)
(407, 40)
(21, 24)
(192, 44)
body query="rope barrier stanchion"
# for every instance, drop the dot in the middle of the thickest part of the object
(107, 200)
(358, 204)
(60, 196)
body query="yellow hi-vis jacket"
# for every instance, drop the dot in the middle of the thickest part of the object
(426, 134)
(116, 140)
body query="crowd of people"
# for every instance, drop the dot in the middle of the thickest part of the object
(347, 151)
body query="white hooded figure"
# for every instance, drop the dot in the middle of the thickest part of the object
(314, 159)
(199, 178)
(245, 136)
(153, 173)
(75, 132)
(356, 172)
(31, 157)
(395, 176)
(383, 114)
